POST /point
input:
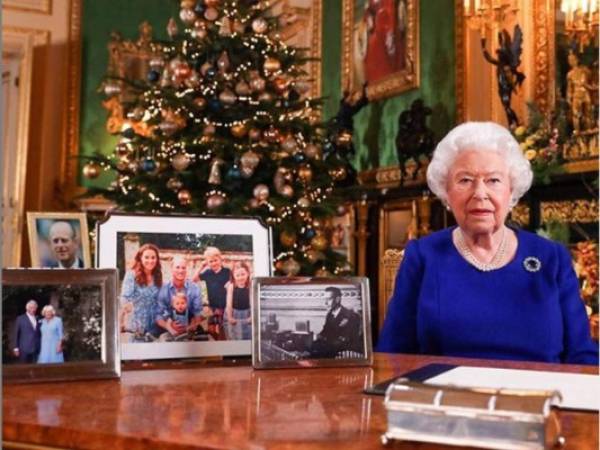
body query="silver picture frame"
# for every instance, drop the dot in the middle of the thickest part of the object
(85, 300)
(311, 322)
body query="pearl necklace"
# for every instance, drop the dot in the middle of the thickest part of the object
(496, 261)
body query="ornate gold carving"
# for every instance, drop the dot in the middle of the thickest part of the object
(570, 211)
(395, 83)
(389, 267)
(40, 37)
(386, 177)
(69, 163)
(581, 166)
(544, 51)
(460, 63)
(521, 214)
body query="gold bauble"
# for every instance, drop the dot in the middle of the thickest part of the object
(239, 130)
(287, 191)
(319, 242)
(312, 151)
(211, 14)
(214, 201)
(212, 3)
(280, 84)
(287, 238)
(209, 130)
(184, 196)
(257, 84)
(305, 173)
(272, 135)
(91, 170)
(304, 202)
(174, 184)
(271, 65)
(289, 144)
(180, 161)
(344, 138)
(254, 134)
(227, 97)
(291, 267)
(200, 102)
(189, 4)
(242, 88)
(338, 174)
(317, 224)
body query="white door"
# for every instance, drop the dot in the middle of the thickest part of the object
(17, 55)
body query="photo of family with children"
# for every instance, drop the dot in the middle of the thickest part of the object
(184, 287)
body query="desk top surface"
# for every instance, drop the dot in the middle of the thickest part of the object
(233, 407)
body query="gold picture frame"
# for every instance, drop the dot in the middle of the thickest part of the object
(386, 59)
(41, 249)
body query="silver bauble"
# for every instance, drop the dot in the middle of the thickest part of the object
(289, 145)
(227, 97)
(259, 25)
(261, 192)
(214, 201)
(187, 16)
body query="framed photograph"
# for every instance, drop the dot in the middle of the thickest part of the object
(59, 240)
(311, 322)
(380, 46)
(59, 324)
(184, 282)
(342, 235)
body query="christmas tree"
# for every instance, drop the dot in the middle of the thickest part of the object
(223, 124)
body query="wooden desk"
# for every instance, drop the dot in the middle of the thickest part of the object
(232, 407)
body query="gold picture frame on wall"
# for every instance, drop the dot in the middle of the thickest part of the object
(380, 46)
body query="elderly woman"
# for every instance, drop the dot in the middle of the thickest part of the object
(51, 328)
(482, 289)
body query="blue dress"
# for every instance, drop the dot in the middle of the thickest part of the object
(144, 299)
(52, 334)
(442, 305)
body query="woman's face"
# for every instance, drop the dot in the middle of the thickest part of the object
(148, 260)
(479, 191)
(48, 314)
(240, 277)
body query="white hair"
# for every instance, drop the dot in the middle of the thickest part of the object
(481, 136)
(48, 308)
(31, 302)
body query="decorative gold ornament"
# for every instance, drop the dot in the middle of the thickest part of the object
(313, 256)
(180, 161)
(272, 135)
(281, 85)
(323, 273)
(344, 138)
(305, 173)
(291, 267)
(271, 65)
(91, 170)
(304, 202)
(227, 97)
(302, 86)
(223, 62)
(214, 176)
(312, 151)
(265, 97)
(209, 130)
(242, 88)
(174, 184)
(214, 201)
(212, 3)
(172, 28)
(289, 144)
(287, 238)
(254, 134)
(338, 173)
(211, 14)
(239, 130)
(200, 102)
(248, 162)
(257, 84)
(287, 191)
(187, 4)
(185, 197)
(226, 27)
(319, 242)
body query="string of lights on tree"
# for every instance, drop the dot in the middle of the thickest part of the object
(223, 124)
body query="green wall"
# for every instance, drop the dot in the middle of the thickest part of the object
(376, 125)
(99, 19)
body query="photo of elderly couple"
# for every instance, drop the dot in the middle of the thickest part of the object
(51, 324)
(184, 287)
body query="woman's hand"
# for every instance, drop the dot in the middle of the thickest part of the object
(59, 347)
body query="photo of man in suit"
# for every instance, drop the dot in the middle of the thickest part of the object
(64, 243)
(26, 345)
(341, 331)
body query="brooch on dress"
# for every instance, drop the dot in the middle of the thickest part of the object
(532, 264)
